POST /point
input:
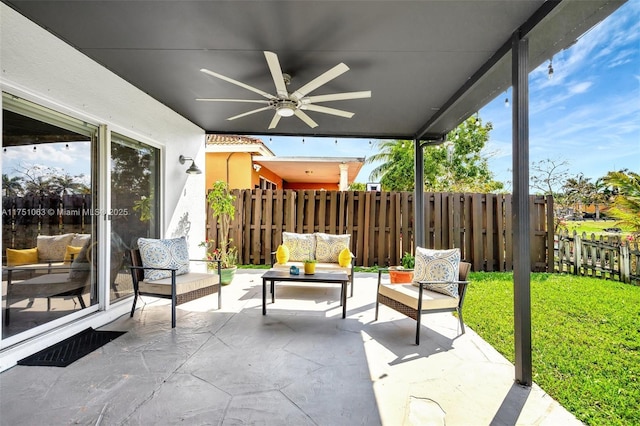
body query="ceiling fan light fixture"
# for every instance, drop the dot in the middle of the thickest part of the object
(286, 108)
(287, 104)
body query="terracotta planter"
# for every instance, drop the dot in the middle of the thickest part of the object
(401, 276)
(309, 268)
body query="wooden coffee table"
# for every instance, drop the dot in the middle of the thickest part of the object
(272, 276)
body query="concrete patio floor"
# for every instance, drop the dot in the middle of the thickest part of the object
(301, 364)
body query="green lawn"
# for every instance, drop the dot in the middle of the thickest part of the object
(585, 339)
(595, 227)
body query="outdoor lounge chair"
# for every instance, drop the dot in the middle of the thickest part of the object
(414, 300)
(179, 288)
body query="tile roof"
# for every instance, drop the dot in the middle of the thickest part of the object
(233, 140)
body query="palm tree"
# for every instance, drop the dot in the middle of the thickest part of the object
(458, 166)
(600, 195)
(67, 184)
(626, 204)
(396, 173)
(11, 186)
(577, 190)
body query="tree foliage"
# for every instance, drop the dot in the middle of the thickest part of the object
(457, 166)
(396, 173)
(35, 180)
(626, 202)
(549, 176)
(357, 186)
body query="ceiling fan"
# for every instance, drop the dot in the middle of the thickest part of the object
(295, 103)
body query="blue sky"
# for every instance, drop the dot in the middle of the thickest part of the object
(588, 114)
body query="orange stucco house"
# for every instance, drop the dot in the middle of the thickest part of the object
(246, 162)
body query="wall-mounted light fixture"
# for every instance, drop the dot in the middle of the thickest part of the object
(256, 167)
(193, 170)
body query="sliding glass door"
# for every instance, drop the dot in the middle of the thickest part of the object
(134, 205)
(49, 218)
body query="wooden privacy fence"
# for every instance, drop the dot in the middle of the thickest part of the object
(24, 218)
(605, 257)
(381, 225)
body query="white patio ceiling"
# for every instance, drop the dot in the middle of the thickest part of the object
(429, 64)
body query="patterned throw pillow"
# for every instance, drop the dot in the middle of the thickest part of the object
(438, 265)
(169, 253)
(301, 246)
(328, 246)
(80, 240)
(52, 247)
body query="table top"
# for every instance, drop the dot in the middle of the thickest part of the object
(327, 277)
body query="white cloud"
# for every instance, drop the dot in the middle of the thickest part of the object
(580, 87)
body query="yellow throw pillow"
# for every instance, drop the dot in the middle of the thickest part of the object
(344, 258)
(71, 253)
(22, 257)
(282, 254)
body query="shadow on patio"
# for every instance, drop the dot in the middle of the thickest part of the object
(300, 364)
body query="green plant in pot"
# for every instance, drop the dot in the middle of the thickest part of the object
(310, 266)
(408, 261)
(223, 209)
(404, 272)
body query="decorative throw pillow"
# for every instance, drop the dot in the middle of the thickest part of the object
(344, 258)
(169, 253)
(52, 247)
(71, 253)
(438, 265)
(282, 254)
(17, 257)
(328, 246)
(301, 246)
(79, 240)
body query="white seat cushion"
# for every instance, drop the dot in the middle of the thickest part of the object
(184, 283)
(407, 294)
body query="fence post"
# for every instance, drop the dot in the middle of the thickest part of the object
(551, 231)
(577, 253)
(625, 263)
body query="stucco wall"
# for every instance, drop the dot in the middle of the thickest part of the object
(41, 68)
(37, 66)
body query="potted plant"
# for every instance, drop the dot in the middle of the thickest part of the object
(223, 208)
(310, 266)
(404, 272)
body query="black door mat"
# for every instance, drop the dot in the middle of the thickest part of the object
(69, 350)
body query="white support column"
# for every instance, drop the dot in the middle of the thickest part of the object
(419, 233)
(344, 177)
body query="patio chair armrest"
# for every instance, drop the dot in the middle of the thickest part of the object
(442, 282)
(218, 261)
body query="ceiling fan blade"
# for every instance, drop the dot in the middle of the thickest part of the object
(276, 73)
(338, 97)
(238, 83)
(326, 110)
(244, 114)
(304, 117)
(275, 120)
(255, 101)
(324, 78)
